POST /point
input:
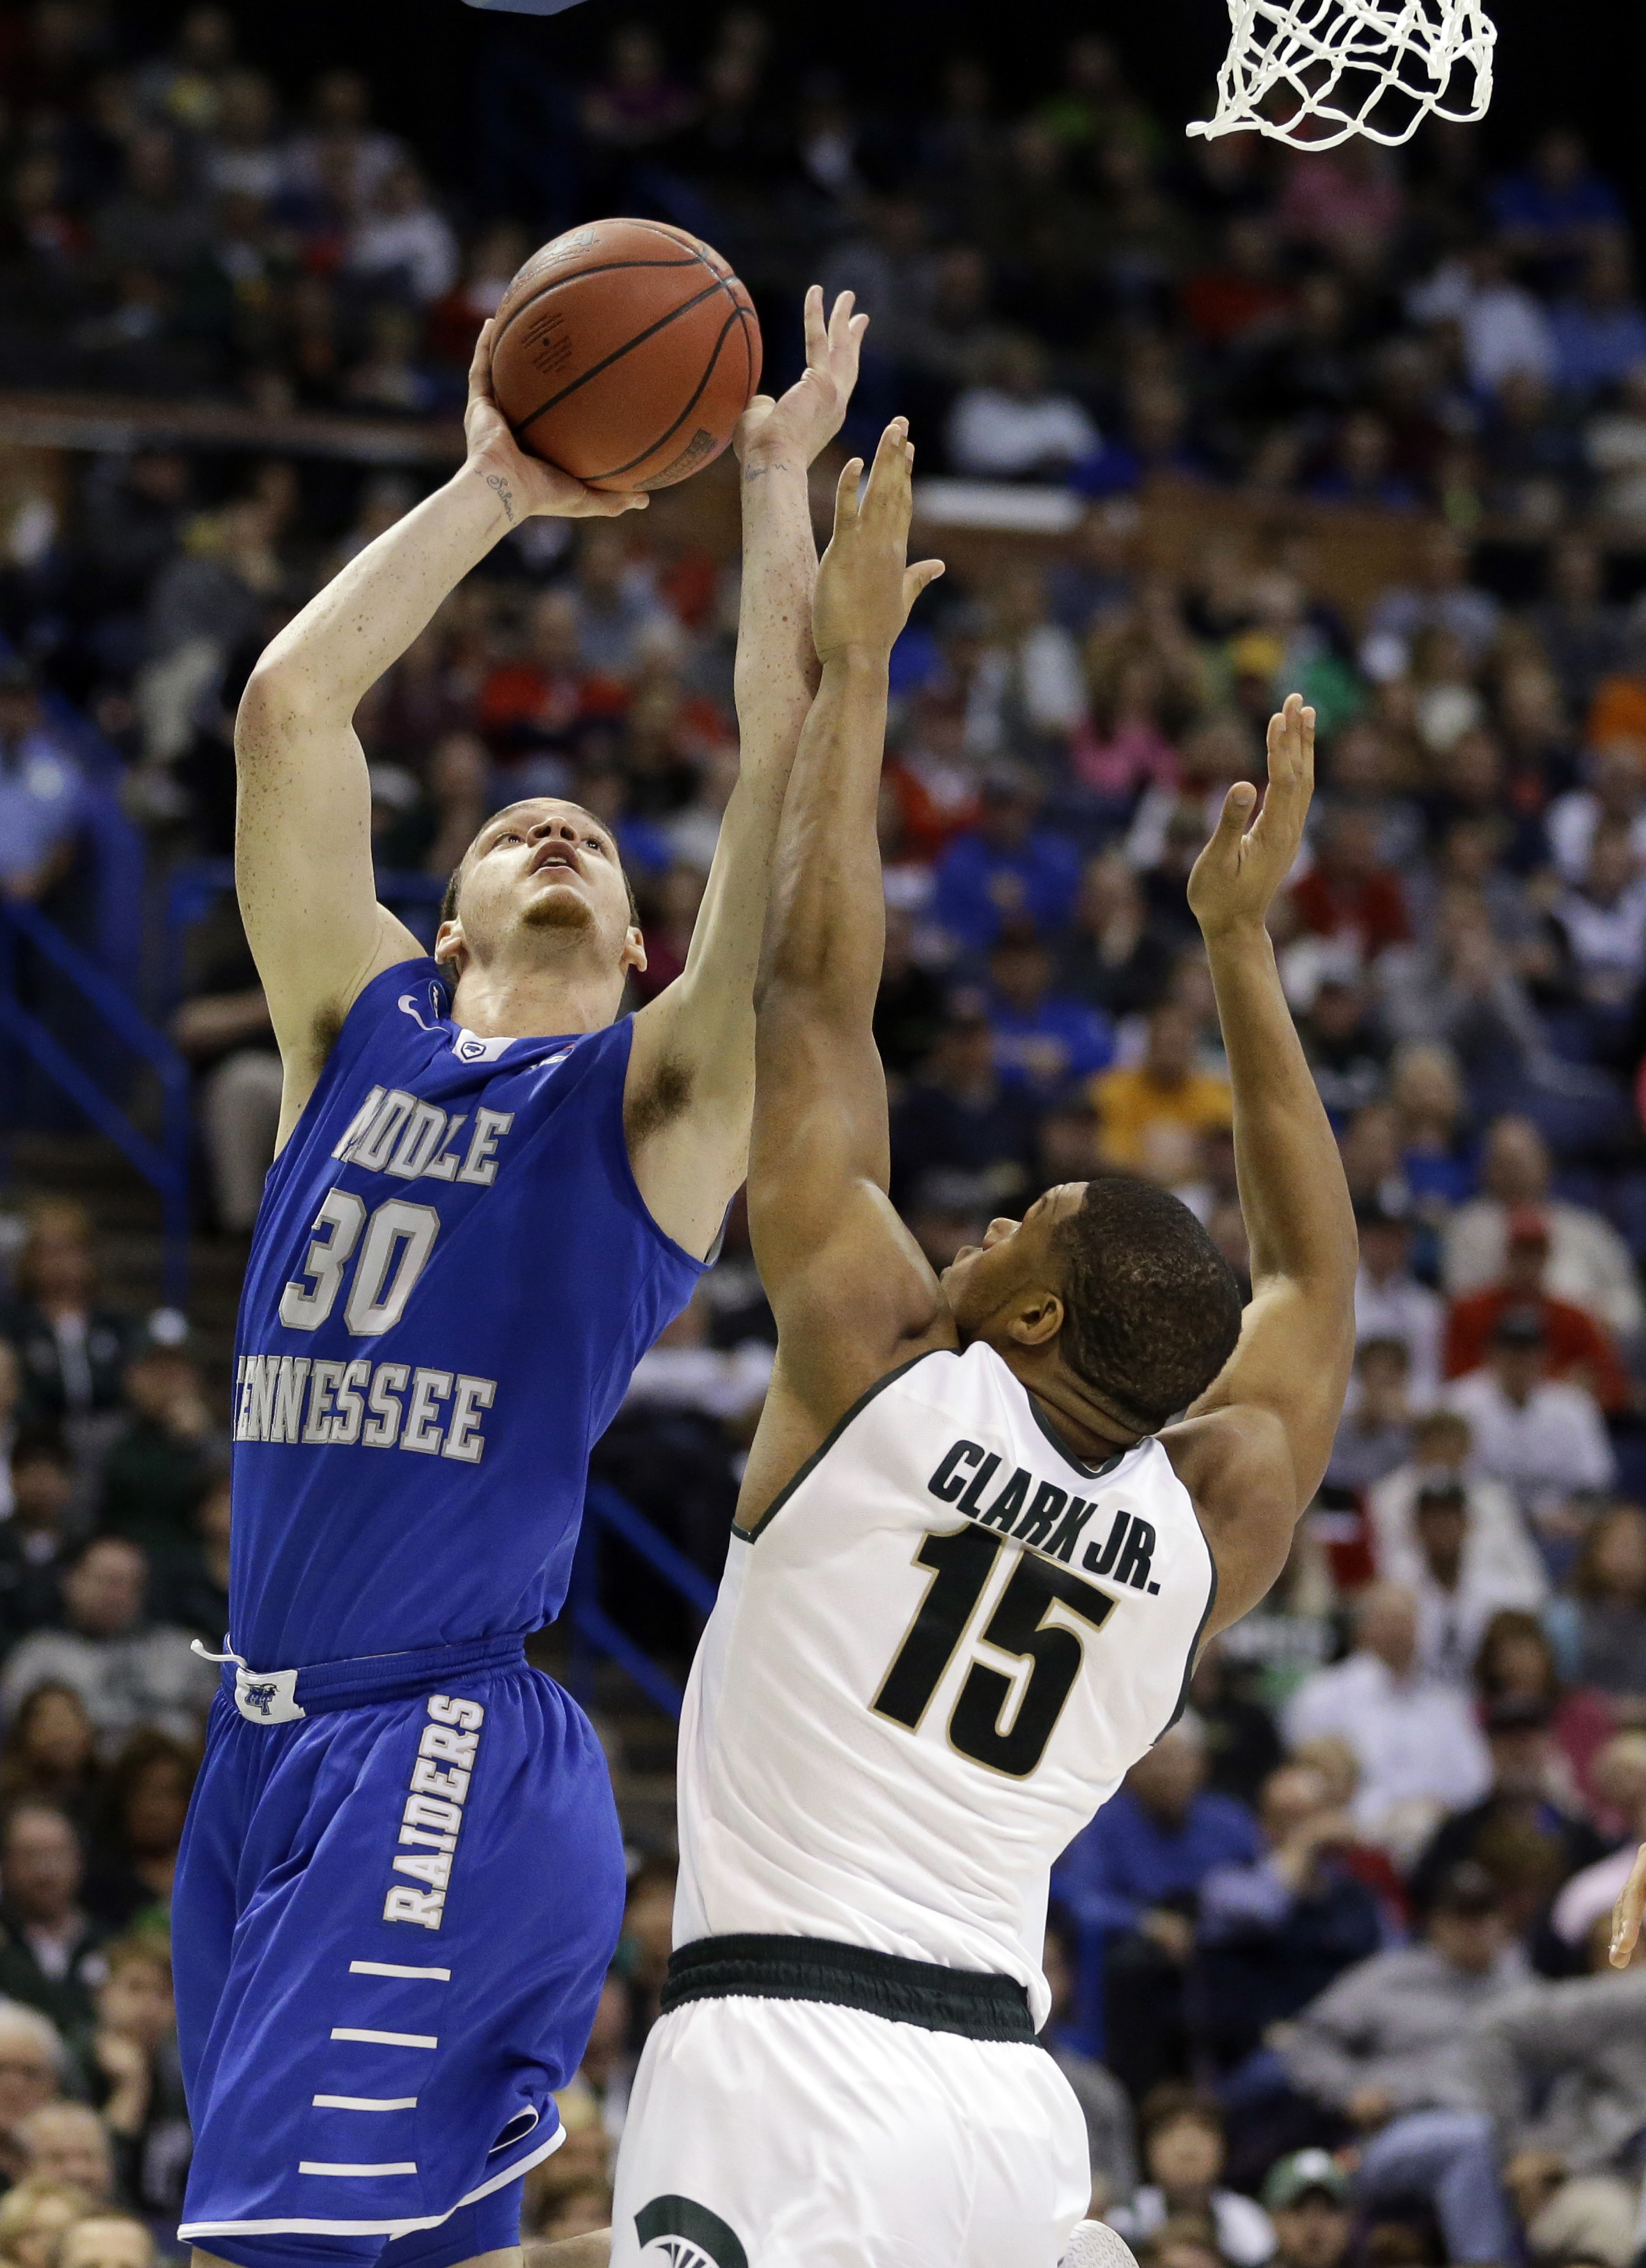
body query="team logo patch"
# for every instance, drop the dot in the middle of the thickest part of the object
(686, 2234)
(469, 1047)
(267, 1696)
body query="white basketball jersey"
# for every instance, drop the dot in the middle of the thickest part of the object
(943, 1648)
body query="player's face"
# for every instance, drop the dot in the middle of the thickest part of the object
(984, 1281)
(545, 867)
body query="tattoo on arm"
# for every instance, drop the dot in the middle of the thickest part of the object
(506, 493)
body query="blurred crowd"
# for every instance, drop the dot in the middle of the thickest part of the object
(113, 1556)
(1328, 1971)
(1063, 288)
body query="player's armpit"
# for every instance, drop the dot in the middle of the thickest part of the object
(1237, 1464)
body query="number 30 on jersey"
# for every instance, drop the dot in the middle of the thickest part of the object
(399, 1238)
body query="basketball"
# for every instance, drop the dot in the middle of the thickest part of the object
(625, 353)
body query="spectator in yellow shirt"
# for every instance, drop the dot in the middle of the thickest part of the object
(1150, 1112)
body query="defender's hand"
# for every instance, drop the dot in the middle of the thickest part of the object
(1237, 874)
(793, 430)
(591, 2252)
(1625, 1918)
(865, 590)
(525, 485)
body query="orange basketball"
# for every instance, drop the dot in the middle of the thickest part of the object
(625, 353)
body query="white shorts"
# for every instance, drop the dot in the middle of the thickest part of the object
(794, 2134)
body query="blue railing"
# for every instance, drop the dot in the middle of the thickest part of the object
(1086, 2028)
(594, 1632)
(165, 1164)
(195, 889)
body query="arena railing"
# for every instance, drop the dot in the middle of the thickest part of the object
(595, 1633)
(163, 1163)
(194, 888)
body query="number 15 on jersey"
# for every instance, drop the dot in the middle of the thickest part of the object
(962, 1561)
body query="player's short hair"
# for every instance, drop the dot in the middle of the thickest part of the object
(1151, 1306)
(455, 881)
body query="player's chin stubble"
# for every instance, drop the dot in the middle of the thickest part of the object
(562, 910)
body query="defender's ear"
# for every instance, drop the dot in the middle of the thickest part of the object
(633, 950)
(1038, 1319)
(451, 948)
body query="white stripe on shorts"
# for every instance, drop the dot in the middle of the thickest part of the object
(397, 1969)
(385, 2039)
(192, 2231)
(313, 2166)
(365, 2102)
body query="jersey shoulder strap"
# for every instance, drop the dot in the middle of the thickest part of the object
(804, 1472)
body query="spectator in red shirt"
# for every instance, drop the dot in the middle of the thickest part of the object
(537, 699)
(1242, 292)
(1349, 893)
(1576, 1347)
(933, 778)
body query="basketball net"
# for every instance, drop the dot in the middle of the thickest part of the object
(1312, 72)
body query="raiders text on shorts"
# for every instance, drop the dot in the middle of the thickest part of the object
(434, 1809)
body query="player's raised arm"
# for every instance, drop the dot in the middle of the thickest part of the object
(303, 855)
(850, 1288)
(1255, 1446)
(691, 1073)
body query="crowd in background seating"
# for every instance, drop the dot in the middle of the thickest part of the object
(1327, 1972)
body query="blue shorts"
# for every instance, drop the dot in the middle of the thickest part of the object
(393, 1917)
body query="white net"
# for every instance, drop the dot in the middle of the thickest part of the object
(1312, 72)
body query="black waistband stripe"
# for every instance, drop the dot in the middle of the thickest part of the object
(977, 2004)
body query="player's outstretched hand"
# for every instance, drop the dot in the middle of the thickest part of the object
(865, 588)
(1236, 876)
(794, 430)
(525, 485)
(591, 2252)
(1625, 1918)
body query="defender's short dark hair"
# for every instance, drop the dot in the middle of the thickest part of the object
(1152, 1308)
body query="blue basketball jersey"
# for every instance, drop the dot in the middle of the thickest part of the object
(452, 1277)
